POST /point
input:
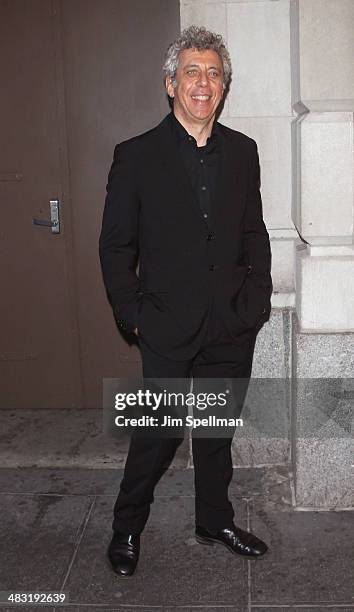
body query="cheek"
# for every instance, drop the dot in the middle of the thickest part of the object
(219, 95)
(187, 98)
(186, 90)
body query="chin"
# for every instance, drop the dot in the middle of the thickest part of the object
(202, 115)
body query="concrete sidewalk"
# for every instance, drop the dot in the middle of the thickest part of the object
(56, 525)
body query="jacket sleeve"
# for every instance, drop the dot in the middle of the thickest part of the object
(256, 245)
(118, 243)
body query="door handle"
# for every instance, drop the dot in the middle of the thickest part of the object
(54, 222)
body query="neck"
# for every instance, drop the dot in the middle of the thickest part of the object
(199, 131)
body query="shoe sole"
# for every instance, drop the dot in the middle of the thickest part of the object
(210, 542)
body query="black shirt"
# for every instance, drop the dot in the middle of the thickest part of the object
(201, 163)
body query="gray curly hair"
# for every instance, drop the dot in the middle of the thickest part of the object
(201, 39)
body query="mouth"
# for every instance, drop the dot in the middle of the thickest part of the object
(201, 98)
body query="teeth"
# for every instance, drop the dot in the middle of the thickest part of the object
(200, 97)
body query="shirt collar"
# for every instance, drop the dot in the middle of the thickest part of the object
(181, 134)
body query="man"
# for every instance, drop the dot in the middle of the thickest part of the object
(184, 198)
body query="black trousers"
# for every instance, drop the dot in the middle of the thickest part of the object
(220, 356)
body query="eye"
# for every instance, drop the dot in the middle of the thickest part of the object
(191, 71)
(214, 74)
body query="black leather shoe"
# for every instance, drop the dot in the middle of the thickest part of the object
(235, 539)
(123, 553)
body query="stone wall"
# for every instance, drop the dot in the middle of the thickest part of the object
(293, 92)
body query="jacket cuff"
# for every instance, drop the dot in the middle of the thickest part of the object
(126, 315)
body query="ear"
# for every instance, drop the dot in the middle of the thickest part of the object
(169, 87)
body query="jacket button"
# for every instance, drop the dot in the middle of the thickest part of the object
(210, 237)
(213, 267)
(249, 269)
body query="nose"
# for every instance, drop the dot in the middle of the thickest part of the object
(203, 79)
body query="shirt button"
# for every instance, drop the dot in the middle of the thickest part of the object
(203, 188)
(205, 215)
(190, 138)
(202, 161)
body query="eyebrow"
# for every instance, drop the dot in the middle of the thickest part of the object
(198, 66)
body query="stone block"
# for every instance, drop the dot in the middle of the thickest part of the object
(327, 184)
(324, 291)
(322, 418)
(211, 15)
(271, 357)
(273, 138)
(326, 48)
(264, 440)
(259, 43)
(323, 473)
(283, 264)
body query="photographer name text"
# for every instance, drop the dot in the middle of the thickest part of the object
(168, 421)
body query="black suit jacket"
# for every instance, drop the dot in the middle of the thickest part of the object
(152, 216)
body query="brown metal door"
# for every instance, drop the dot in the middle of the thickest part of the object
(113, 52)
(39, 364)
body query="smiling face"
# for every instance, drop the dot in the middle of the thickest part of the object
(199, 87)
